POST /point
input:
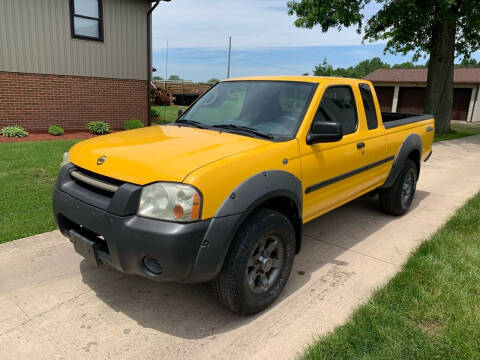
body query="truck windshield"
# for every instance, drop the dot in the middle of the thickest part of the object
(275, 108)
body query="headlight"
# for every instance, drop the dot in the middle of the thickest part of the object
(66, 159)
(170, 201)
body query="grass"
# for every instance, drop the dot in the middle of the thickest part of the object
(430, 310)
(458, 131)
(28, 171)
(167, 113)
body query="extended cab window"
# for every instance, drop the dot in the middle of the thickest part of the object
(369, 106)
(86, 19)
(338, 105)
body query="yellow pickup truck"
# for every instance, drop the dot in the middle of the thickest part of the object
(220, 195)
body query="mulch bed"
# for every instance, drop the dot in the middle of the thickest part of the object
(45, 137)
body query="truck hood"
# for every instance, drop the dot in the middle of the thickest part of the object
(158, 153)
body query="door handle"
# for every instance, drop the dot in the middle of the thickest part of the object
(360, 145)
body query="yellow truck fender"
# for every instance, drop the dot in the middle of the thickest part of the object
(281, 190)
(410, 148)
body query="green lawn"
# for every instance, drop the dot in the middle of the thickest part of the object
(167, 113)
(458, 131)
(27, 173)
(430, 310)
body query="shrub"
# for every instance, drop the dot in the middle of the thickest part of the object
(13, 131)
(132, 124)
(155, 113)
(98, 127)
(55, 130)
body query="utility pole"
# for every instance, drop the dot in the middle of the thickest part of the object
(229, 55)
(166, 69)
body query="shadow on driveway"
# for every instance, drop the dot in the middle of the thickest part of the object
(189, 310)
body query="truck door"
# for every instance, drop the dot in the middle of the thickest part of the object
(330, 171)
(372, 139)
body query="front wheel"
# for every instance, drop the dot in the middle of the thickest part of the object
(258, 264)
(397, 199)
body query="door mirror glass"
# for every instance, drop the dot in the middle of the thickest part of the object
(180, 112)
(322, 132)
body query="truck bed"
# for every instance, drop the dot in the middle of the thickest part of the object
(391, 120)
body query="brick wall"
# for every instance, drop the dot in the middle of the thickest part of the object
(36, 101)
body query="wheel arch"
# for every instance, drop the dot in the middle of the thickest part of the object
(284, 203)
(277, 190)
(411, 148)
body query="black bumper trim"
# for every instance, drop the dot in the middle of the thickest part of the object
(129, 239)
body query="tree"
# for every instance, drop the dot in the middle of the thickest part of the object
(469, 63)
(157, 78)
(360, 70)
(409, 65)
(437, 29)
(174, 78)
(213, 81)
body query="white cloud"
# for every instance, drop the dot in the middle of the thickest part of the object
(251, 23)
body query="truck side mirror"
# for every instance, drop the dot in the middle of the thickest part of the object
(322, 132)
(180, 112)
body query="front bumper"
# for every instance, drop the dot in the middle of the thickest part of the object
(106, 224)
(125, 241)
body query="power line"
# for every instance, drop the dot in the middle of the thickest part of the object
(271, 66)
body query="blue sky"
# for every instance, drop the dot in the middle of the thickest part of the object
(264, 40)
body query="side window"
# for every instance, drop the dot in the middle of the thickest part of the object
(86, 19)
(338, 105)
(369, 106)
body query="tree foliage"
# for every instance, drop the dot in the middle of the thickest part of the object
(406, 25)
(439, 30)
(363, 68)
(174, 78)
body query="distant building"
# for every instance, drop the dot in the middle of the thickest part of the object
(68, 62)
(403, 90)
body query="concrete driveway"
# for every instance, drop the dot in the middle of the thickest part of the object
(54, 305)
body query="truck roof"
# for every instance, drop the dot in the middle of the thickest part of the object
(311, 79)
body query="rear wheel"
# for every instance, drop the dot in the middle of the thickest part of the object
(397, 199)
(258, 264)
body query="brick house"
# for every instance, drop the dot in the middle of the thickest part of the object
(68, 62)
(404, 90)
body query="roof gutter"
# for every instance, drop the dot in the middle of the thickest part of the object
(149, 59)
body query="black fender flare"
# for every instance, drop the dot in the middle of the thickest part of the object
(259, 188)
(411, 143)
(240, 203)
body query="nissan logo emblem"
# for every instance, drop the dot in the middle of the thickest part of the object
(101, 160)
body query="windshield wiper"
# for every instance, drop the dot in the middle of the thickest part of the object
(244, 129)
(191, 122)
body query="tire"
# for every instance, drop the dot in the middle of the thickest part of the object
(240, 285)
(397, 199)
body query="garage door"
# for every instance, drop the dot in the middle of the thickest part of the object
(411, 100)
(385, 97)
(461, 102)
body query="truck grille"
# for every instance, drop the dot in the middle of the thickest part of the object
(77, 175)
(100, 184)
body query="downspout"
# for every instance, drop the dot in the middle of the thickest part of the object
(149, 60)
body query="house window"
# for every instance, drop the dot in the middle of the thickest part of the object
(86, 19)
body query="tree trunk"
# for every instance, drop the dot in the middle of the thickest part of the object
(440, 75)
